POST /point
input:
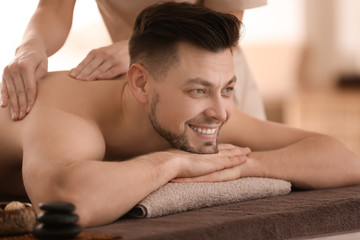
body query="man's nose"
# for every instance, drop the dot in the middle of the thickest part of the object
(217, 109)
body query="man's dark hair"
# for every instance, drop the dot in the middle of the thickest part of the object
(159, 29)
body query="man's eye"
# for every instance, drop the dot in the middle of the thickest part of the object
(197, 91)
(228, 90)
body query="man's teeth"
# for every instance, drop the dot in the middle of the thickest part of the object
(204, 130)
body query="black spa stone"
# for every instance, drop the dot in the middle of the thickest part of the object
(50, 232)
(57, 218)
(57, 206)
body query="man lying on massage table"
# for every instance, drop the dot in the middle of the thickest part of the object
(105, 145)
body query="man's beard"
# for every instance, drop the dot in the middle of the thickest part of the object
(178, 141)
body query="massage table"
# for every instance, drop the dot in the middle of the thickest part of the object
(327, 214)
(297, 215)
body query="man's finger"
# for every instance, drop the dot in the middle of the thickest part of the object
(228, 149)
(224, 175)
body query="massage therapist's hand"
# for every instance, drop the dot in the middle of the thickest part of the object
(202, 167)
(18, 89)
(103, 63)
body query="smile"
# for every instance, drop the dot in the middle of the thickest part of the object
(208, 131)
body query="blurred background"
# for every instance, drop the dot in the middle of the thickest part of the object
(304, 55)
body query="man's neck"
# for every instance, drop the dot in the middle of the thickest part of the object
(133, 133)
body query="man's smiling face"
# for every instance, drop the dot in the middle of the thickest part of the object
(192, 101)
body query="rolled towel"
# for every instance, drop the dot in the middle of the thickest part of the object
(179, 197)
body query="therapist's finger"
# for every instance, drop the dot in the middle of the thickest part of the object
(79, 68)
(21, 96)
(12, 96)
(87, 73)
(29, 79)
(4, 94)
(112, 72)
(83, 64)
(104, 67)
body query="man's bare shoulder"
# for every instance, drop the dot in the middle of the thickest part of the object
(66, 116)
(58, 87)
(53, 133)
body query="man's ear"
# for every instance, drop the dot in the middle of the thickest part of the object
(137, 77)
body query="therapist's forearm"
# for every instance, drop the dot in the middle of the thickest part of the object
(314, 162)
(48, 27)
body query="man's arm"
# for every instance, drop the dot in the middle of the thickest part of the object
(308, 160)
(317, 161)
(62, 160)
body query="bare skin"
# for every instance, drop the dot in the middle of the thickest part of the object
(68, 144)
(45, 34)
